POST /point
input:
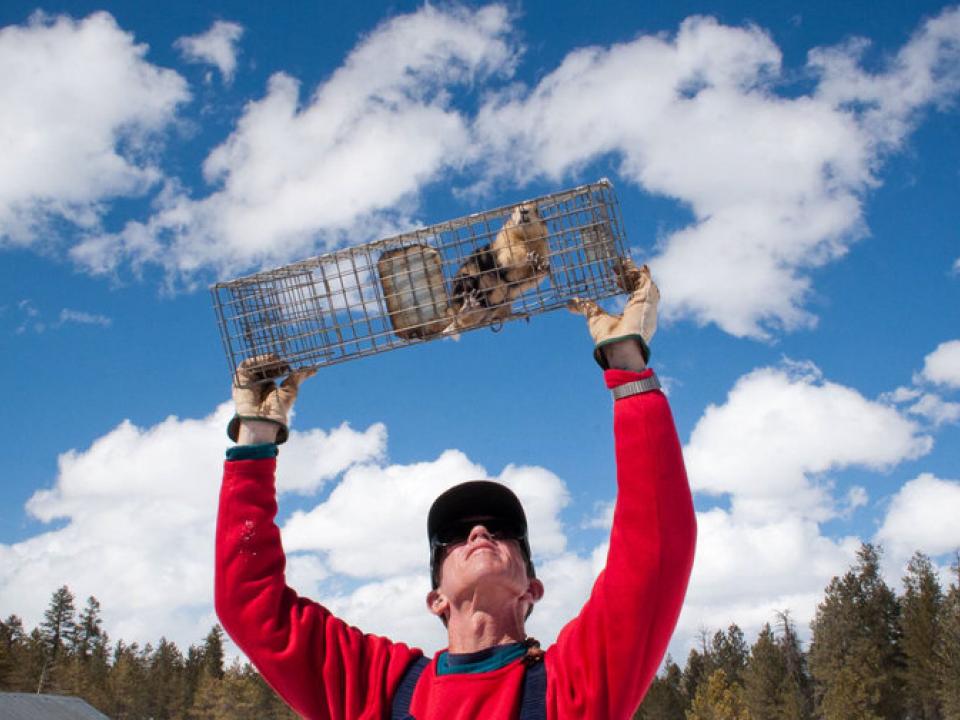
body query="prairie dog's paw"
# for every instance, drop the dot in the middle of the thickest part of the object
(587, 308)
(538, 262)
(630, 278)
(471, 300)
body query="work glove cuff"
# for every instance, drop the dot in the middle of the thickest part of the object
(601, 358)
(233, 427)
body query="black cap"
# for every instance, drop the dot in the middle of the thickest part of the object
(476, 498)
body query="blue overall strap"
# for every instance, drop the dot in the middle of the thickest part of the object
(534, 703)
(400, 709)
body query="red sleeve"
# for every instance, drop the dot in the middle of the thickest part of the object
(604, 660)
(322, 667)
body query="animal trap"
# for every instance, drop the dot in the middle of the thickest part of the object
(439, 281)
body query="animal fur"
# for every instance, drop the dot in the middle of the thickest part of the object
(495, 275)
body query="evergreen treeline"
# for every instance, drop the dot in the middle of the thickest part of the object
(873, 656)
(70, 654)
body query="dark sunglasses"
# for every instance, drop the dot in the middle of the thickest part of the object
(459, 531)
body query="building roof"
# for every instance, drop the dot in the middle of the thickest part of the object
(28, 706)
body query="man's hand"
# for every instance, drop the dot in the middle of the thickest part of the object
(622, 341)
(260, 401)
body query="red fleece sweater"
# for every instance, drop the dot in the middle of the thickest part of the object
(601, 664)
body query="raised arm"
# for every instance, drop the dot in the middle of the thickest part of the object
(322, 667)
(604, 660)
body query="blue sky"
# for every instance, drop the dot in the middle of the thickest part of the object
(791, 177)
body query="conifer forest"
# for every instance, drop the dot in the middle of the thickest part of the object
(873, 654)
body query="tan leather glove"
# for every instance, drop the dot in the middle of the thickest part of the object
(639, 318)
(258, 397)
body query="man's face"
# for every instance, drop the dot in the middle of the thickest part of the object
(483, 563)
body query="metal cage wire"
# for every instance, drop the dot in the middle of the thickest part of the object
(434, 282)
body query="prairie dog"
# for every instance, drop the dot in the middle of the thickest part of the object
(497, 274)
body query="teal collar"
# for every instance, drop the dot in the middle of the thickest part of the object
(481, 661)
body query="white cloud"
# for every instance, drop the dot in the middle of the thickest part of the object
(138, 510)
(857, 497)
(139, 507)
(602, 515)
(83, 318)
(80, 109)
(748, 568)
(217, 46)
(935, 409)
(395, 499)
(774, 182)
(319, 456)
(922, 516)
(942, 366)
(769, 449)
(31, 318)
(780, 429)
(299, 176)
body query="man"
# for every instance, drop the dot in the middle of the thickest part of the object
(484, 584)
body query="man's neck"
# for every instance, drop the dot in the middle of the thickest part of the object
(470, 629)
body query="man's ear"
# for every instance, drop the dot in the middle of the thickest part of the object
(437, 603)
(535, 590)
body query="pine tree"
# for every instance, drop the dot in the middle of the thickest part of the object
(11, 647)
(57, 628)
(213, 652)
(192, 669)
(97, 674)
(695, 674)
(764, 677)
(31, 663)
(949, 648)
(664, 699)
(165, 678)
(797, 691)
(718, 699)
(776, 686)
(128, 686)
(919, 623)
(89, 630)
(729, 652)
(209, 700)
(855, 655)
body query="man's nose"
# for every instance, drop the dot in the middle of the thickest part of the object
(479, 532)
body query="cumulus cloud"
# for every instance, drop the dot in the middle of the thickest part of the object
(748, 568)
(922, 516)
(935, 409)
(398, 497)
(774, 179)
(781, 430)
(136, 513)
(217, 46)
(942, 366)
(769, 449)
(774, 182)
(299, 176)
(80, 114)
(137, 510)
(134, 517)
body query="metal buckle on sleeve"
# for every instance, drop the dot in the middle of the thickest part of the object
(637, 386)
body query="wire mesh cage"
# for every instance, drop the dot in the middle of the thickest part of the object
(439, 281)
